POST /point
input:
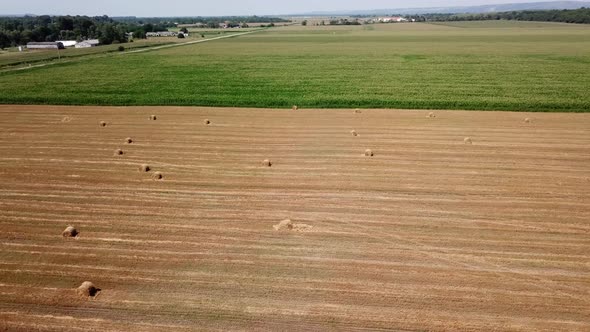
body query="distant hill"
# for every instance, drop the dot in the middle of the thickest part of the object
(461, 10)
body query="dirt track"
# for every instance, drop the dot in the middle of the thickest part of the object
(430, 234)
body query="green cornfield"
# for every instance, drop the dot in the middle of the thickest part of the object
(499, 65)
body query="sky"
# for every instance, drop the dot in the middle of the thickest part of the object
(217, 8)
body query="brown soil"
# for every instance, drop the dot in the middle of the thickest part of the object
(429, 235)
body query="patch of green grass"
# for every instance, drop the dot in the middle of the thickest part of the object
(419, 66)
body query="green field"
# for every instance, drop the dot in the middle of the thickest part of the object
(13, 58)
(496, 65)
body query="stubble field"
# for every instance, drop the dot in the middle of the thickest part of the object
(429, 234)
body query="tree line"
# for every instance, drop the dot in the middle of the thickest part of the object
(581, 16)
(21, 30)
(16, 31)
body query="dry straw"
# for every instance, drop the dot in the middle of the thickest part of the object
(128, 140)
(207, 122)
(153, 117)
(295, 107)
(368, 153)
(527, 120)
(266, 163)
(157, 176)
(431, 115)
(468, 140)
(284, 224)
(144, 168)
(288, 225)
(354, 133)
(119, 152)
(102, 124)
(70, 231)
(66, 119)
(87, 289)
(357, 111)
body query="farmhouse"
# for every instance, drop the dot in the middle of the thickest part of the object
(45, 45)
(162, 34)
(88, 43)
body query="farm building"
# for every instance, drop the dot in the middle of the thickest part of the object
(67, 43)
(45, 45)
(391, 19)
(87, 43)
(162, 34)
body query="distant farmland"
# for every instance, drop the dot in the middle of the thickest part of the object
(517, 66)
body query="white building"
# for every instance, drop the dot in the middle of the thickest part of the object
(45, 46)
(391, 19)
(67, 43)
(88, 43)
(161, 34)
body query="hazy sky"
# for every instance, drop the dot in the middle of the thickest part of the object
(216, 8)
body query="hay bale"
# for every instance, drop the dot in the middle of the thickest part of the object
(288, 225)
(527, 120)
(87, 289)
(266, 163)
(354, 133)
(128, 140)
(153, 117)
(284, 224)
(144, 168)
(295, 107)
(157, 176)
(368, 153)
(431, 115)
(207, 122)
(468, 140)
(119, 152)
(357, 111)
(66, 119)
(102, 124)
(70, 231)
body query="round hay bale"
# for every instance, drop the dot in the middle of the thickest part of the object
(468, 140)
(70, 231)
(157, 176)
(129, 140)
(119, 152)
(266, 163)
(153, 117)
(144, 168)
(354, 133)
(207, 121)
(358, 111)
(295, 107)
(87, 289)
(431, 115)
(368, 153)
(102, 124)
(284, 224)
(527, 120)
(66, 119)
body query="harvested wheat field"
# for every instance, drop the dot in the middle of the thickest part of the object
(428, 234)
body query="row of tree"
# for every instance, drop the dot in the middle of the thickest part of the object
(21, 30)
(581, 16)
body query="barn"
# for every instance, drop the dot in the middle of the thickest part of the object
(45, 46)
(88, 43)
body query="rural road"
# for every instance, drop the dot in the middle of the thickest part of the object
(190, 43)
(137, 51)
